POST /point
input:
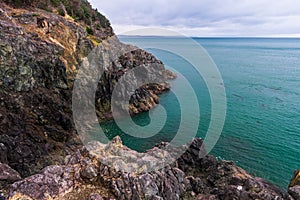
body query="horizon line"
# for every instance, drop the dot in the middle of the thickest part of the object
(232, 37)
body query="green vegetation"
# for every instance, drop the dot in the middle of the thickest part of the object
(61, 12)
(55, 3)
(98, 26)
(89, 30)
(86, 12)
(103, 106)
(80, 10)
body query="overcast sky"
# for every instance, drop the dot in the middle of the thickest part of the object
(205, 17)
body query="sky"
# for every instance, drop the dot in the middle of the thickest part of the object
(205, 18)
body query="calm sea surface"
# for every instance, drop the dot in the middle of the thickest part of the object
(262, 82)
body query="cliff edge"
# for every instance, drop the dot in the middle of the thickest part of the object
(42, 46)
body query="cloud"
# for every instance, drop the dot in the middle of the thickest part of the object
(206, 17)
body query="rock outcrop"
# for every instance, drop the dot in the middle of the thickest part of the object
(294, 187)
(42, 45)
(8, 175)
(83, 176)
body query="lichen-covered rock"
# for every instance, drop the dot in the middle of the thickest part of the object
(211, 179)
(40, 55)
(51, 182)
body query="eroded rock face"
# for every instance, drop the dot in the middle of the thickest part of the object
(40, 55)
(210, 179)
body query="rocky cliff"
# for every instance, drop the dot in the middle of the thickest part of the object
(42, 46)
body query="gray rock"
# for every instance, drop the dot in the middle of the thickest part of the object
(89, 172)
(210, 179)
(3, 153)
(8, 174)
(295, 192)
(95, 196)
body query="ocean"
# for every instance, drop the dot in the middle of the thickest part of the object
(262, 82)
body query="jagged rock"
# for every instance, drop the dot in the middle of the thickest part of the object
(51, 182)
(95, 197)
(205, 182)
(89, 172)
(40, 55)
(8, 174)
(294, 192)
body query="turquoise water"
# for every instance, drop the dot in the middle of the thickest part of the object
(262, 82)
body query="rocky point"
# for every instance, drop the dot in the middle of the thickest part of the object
(43, 45)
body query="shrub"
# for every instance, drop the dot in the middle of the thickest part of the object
(89, 30)
(55, 3)
(61, 12)
(86, 12)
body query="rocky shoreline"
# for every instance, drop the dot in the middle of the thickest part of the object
(190, 177)
(84, 176)
(42, 46)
